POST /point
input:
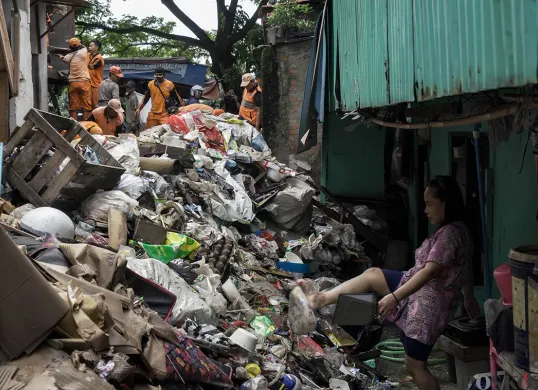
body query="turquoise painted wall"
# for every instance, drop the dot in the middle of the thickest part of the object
(515, 198)
(353, 158)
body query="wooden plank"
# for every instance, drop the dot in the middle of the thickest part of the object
(32, 154)
(45, 173)
(525, 380)
(60, 182)
(5, 51)
(117, 228)
(56, 138)
(18, 136)
(59, 123)
(462, 352)
(24, 188)
(16, 39)
(4, 108)
(98, 176)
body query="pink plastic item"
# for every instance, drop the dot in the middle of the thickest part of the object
(503, 276)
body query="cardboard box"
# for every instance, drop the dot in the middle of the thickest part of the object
(30, 307)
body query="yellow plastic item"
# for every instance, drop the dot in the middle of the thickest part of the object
(253, 370)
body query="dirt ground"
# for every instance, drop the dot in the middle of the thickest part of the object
(396, 372)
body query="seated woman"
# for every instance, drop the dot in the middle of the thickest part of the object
(423, 300)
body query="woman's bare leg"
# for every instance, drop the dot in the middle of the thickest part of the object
(371, 280)
(420, 372)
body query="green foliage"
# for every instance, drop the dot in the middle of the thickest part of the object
(289, 15)
(135, 44)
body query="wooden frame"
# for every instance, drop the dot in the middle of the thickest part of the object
(39, 180)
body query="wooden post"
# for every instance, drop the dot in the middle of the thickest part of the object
(4, 107)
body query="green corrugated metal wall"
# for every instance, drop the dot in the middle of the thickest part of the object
(392, 51)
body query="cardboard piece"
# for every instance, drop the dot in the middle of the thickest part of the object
(117, 228)
(30, 306)
(101, 260)
(6, 206)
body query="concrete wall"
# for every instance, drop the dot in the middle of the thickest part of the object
(33, 70)
(284, 111)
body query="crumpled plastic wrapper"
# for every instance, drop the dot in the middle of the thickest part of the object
(126, 152)
(188, 304)
(231, 210)
(301, 317)
(96, 206)
(20, 212)
(160, 187)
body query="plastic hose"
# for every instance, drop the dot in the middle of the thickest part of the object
(390, 349)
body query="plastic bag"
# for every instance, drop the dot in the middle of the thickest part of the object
(188, 304)
(263, 325)
(186, 244)
(209, 293)
(301, 316)
(131, 185)
(184, 270)
(292, 207)
(20, 212)
(96, 206)
(126, 152)
(231, 210)
(177, 246)
(161, 188)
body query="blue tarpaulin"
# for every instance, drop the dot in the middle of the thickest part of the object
(186, 74)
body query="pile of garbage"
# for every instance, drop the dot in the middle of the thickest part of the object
(183, 275)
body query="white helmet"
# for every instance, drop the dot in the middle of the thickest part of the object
(197, 91)
(45, 220)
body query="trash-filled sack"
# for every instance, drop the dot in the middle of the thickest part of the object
(96, 206)
(292, 207)
(188, 304)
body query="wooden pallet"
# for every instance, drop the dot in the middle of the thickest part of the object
(34, 173)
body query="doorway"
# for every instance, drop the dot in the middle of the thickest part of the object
(464, 170)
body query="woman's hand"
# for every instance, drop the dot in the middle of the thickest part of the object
(387, 305)
(472, 307)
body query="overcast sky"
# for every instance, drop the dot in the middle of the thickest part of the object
(203, 12)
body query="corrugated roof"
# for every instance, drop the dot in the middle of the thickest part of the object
(393, 51)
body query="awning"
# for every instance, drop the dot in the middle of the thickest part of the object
(180, 71)
(314, 96)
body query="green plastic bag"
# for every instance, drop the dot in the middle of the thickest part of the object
(178, 246)
(263, 325)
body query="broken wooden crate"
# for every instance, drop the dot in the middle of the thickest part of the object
(35, 170)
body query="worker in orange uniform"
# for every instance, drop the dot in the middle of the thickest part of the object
(110, 118)
(80, 96)
(96, 65)
(163, 95)
(252, 101)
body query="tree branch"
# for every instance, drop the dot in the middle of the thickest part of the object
(183, 18)
(249, 24)
(147, 30)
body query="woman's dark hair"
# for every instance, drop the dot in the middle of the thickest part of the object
(447, 189)
(97, 43)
